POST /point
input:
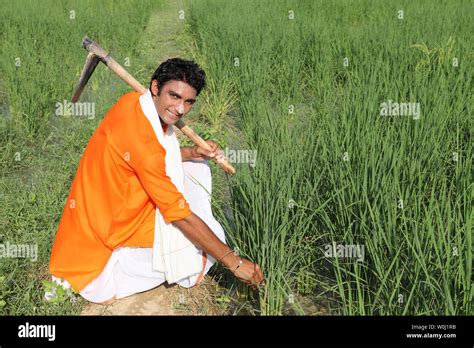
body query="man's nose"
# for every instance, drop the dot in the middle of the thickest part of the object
(180, 108)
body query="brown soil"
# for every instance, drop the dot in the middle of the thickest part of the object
(165, 300)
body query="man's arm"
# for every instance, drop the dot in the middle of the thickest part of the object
(202, 237)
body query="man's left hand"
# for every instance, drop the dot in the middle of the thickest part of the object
(200, 154)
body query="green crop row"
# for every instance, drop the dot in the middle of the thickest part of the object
(353, 199)
(41, 61)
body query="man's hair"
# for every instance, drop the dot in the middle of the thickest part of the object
(180, 70)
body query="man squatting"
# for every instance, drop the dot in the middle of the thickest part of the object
(104, 246)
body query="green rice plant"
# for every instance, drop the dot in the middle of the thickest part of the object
(42, 56)
(41, 62)
(218, 99)
(399, 186)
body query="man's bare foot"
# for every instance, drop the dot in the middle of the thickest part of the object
(109, 301)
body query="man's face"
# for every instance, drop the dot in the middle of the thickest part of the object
(175, 100)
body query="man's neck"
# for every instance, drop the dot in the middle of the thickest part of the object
(164, 126)
(161, 121)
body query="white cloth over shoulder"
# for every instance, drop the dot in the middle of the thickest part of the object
(173, 254)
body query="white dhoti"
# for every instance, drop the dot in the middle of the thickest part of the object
(129, 269)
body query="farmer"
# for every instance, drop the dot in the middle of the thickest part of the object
(138, 212)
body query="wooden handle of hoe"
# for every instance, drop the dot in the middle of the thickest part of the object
(104, 56)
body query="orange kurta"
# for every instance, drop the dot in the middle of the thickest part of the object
(119, 182)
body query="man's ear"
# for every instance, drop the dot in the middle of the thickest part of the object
(153, 85)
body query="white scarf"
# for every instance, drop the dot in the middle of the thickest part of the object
(173, 254)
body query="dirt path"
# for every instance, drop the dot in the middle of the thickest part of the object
(158, 41)
(165, 300)
(158, 44)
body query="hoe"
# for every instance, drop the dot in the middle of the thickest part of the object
(98, 54)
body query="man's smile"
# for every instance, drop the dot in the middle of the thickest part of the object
(173, 114)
